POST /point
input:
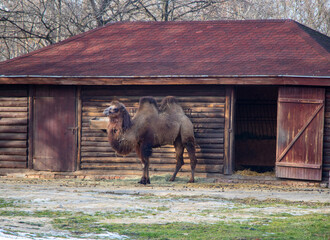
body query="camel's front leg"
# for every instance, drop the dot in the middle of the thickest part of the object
(145, 176)
(144, 152)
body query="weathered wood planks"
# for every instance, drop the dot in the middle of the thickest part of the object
(13, 126)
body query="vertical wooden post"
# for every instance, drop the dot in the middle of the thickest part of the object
(30, 126)
(229, 140)
(79, 125)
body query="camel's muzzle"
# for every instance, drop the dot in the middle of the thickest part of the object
(110, 110)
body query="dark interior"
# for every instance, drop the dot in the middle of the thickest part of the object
(255, 133)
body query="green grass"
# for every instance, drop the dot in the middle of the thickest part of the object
(4, 203)
(240, 203)
(313, 226)
(14, 213)
(162, 208)
(124, 213)
(252, 202)
(274, 226)
(307, 227)
(39, 214)
(260, 225)
(78, 224)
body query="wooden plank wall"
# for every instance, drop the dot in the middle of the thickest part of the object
(326, 143)
(13, 126)
(204, 106)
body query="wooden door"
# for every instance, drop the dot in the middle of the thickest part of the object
(54, 136)
(300, 122)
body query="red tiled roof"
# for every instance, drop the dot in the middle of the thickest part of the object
(214, 48)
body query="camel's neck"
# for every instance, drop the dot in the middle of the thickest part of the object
(122, 141)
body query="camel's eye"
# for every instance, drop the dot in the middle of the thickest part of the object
(114, 130)
(115, 110)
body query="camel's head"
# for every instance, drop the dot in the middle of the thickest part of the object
(117, 113)
(114, 110)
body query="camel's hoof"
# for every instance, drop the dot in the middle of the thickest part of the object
(172, 179)
(191, 181)
(144, 181)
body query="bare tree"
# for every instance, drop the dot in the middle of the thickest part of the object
(173, 10)
(312, 13)
(31, 24)
(105, 11)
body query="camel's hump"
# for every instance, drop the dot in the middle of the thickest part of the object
(169, 100)
(149, 100)
(168, 103)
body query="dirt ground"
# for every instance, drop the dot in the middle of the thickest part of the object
(160, 202)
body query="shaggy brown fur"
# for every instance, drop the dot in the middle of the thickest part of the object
(151, 127)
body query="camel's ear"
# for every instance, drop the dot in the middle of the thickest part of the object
(126, 119)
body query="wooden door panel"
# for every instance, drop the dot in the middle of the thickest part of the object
(54, 129)
(300, 133)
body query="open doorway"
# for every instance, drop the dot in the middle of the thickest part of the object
(255, 135)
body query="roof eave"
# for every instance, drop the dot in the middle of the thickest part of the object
(306, 80)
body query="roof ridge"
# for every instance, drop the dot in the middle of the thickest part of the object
(200, 22)
(306, 36)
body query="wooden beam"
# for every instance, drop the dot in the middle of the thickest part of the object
(79, 125)
(30, 126)
(13, 129)
(292, 100)
(168, 80)
(99, 123)
(299, 165)
(12, 164)
(229, 131)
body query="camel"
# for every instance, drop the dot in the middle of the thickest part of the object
(151, 127)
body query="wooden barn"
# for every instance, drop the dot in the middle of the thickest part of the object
(257, 92)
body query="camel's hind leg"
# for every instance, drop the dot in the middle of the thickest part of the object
(179, 157)
(190, 146)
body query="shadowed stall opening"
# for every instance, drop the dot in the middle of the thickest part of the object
(256, 114)
(326, 144)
